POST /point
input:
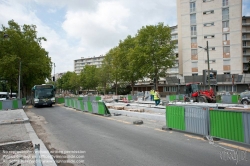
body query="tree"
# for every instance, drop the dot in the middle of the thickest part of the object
(22, 48)
(154, 51)
(128, 60)
(75, 82)
(112, 62)
(65, 79)
(89, 77)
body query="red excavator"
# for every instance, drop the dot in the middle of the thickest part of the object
(194, 92)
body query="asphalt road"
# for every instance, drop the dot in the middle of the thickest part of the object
(115, 141)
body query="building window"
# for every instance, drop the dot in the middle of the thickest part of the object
(194, 40)
(193, 31)
(208, 24)
(194, 64)
(207, 0)
(226, 36)
(224, 2)
(194, 74)
(192, 7)
(225, 14)
(244, 51)
(171, 89)
(226, 49)
(244, 43)
(225, 24)
(226, 62)
(193, 18)
(208, 36)
(208, 12)
(244, 21)
(194, 52)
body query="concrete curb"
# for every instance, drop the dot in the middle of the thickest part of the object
(46, 157)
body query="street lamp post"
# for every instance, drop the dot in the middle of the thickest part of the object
(208, 65)
(19, 80)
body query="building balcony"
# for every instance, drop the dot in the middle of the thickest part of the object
(245, 39)
(246, 54)
(248, 46)
(246, 24)
(245, 31)
(174, 32)
(245, 68)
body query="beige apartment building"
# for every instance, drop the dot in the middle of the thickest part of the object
(246, 42)
(79, 64)
(218, 22)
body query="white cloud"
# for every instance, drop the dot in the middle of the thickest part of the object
(85, 28)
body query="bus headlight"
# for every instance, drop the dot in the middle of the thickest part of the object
(52, 99)
(36, 100)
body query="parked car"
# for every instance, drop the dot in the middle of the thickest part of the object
(244, 97)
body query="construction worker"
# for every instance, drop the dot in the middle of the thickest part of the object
(152, 93)
(157, 97)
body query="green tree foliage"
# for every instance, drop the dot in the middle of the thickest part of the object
(89, 77)
(112, 62)
(128, 61)
(22, 46)
(155, 50)
(65, 81)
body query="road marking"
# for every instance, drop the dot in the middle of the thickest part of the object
(235, 146)
(194, 137)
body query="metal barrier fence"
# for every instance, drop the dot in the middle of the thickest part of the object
(232, 125)
(11, 104)
(59, 100)
(179, 97)
(229, 99)
(84, 104)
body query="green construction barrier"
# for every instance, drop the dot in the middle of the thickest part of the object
(235, 99)
(130, 97)
(226, 124)
(68, 102)
(89, 106)
(175, 117)
(1, 105)
(60, 100)
(81, 105)
(14, 104)
(75, 103)
(97, 98)
(24, 101)
(102, 109)
(172, 97)
(181, 97)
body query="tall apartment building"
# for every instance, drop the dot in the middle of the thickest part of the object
(220, 23)
(246, 42)
(80, 63)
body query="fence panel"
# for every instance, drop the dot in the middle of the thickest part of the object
(226, 124)
(175, 117)
(196, 119)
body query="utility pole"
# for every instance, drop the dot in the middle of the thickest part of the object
(54, 74)
(19, 80)
(208, 65)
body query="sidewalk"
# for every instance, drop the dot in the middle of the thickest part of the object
(18, 139)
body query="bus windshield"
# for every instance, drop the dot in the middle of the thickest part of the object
(44, 93)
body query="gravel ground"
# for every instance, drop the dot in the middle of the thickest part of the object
(17, 154)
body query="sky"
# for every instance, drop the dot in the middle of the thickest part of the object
(88, 28)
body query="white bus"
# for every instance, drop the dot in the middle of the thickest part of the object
(13, 95)
(4, 95)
